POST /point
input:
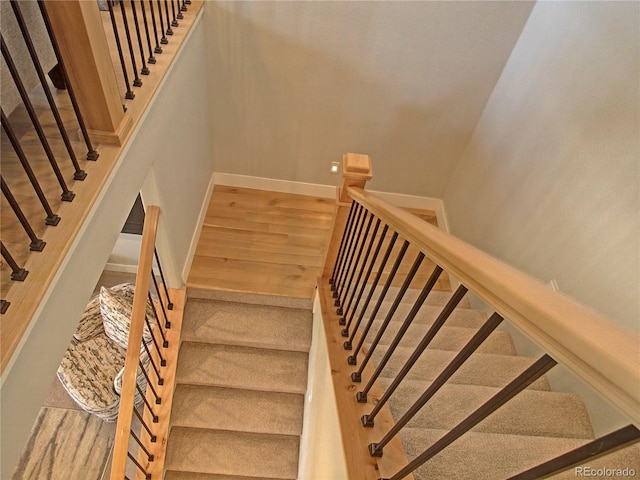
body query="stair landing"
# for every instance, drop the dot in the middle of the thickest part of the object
(266, 243)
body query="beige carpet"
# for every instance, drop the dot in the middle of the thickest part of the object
(241, 379)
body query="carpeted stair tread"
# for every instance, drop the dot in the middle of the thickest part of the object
(435, 297)
(242, 367)
(176, 475)
(532, 412)
(447, 338)
(237, 409)
(233, 453)
(427, 314)
(482, 456)
(479, 369)
(246, 324)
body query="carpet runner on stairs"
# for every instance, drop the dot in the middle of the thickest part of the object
(241, 379)
(535, 426)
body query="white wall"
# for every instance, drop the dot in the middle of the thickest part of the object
(550, 180)
(165, 147)
(321, 449)
(297, 84)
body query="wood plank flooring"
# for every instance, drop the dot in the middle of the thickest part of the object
(261, 242)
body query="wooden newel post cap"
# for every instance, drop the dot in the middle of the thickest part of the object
(356, 171)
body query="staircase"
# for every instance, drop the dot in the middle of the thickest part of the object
(535, 426)
(241, 379)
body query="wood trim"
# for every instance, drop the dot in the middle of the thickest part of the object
(593, 347)
(161, 429)
(356, 438)
(83, 45)
(143, 277)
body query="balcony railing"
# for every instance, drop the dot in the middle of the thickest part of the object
(67, 102)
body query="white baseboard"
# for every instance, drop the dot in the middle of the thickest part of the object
(120, 267)
(196, 235)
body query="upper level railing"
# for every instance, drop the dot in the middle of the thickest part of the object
(366, 229)
(85, 109)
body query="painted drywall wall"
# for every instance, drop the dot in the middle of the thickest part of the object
(294, 85)
(550, 180)
(321, 450)
(152, 153)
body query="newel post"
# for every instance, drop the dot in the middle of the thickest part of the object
(356, 171)
(77, 26)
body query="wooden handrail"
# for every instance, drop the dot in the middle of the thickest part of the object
(143, 277)
(593, 347)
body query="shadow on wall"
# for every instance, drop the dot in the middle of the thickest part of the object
(289, 97)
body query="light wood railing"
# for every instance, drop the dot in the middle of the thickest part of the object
(594, 348)
(152, 430)
(590, 345)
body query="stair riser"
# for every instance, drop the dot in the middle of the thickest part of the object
(531, 412)
(479, 369)
(448, 338)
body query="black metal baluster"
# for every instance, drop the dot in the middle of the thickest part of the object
(92, 154)
(363, 287)
(360, 241)
(79, 174)
(347, 345)
(151, 58)
(347, 250)
(52, 219)
(394, 306)
(129, 95)
(597, 448)
(343, 241)
(179, 15)
(472, 345)
(136, 80)
(167, 323)
(357, 236)
(174, 23)
(146, 474)
(158, 48)
(187, 2)
(67, 195)
(183, 7)
(341, 321)
(146, 402)
(149, 384)
(135, 437)
(362, 395)
(153, 364)
(164, 40)
(18, 273)
(166, 9)
(165, 342)
(353, 359)
(4, 306)
(37, 244)
(152, 437)
(522, 381)
(145, 69)
(164, 284)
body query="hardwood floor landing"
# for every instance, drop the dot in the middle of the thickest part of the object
(261, 242)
